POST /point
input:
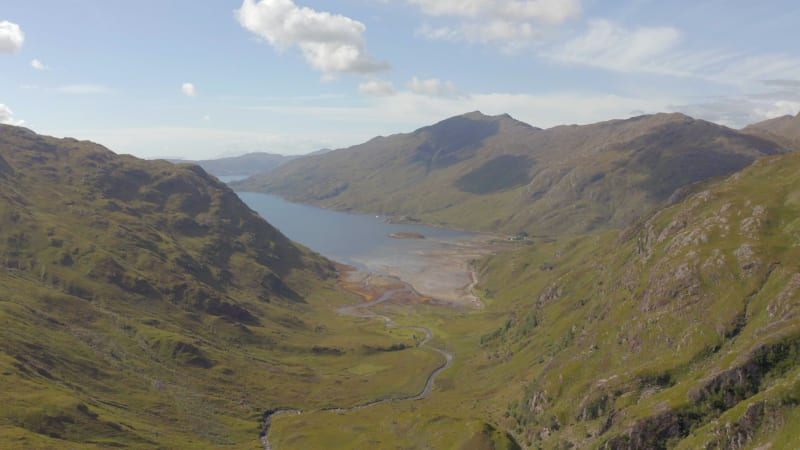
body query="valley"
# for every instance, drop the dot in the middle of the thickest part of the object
(164, 310)
(400, 225)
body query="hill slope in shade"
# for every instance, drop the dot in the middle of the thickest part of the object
(681, 332)
(784, 130)
(496, 173)
(143, 304)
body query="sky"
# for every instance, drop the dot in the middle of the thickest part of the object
(206, 79)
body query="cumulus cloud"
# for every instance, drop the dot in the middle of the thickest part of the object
(189, 90)
(512, 23)
(38, 65)
(434, 87)
(377, 88)
(330, 43)
(7, 116)
(11, 37)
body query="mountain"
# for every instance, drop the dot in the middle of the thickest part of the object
(680, 332)
(496, 173)
(249, 164)
(143, 304)
(784, 130)
(246, 165)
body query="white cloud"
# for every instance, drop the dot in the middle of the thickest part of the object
(740, 110)
(11, 37)
(548, 11)
(406, 111)
(610, 46)
(189, 89)
(511, 23)
(38, 65)
(7, 116)
(777, 109)
(377, 88)
(659, 50)
(84, 89)
(434, 87)
(330, 43)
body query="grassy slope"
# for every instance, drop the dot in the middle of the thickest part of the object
(498, 174)
(674, 333)
(142, 304)
(680, 332)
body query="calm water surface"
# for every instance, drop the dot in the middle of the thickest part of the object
(356, 239)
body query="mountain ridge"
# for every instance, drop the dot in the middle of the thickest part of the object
(569, 178)
(784, 129)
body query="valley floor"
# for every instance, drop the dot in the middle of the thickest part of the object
(417, 298)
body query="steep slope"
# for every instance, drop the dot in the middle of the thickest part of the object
(499, 174)
(143, 304)
(784, 130)
(681, 332)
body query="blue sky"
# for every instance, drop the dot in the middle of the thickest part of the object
(194, 79)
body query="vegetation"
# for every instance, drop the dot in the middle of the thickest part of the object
(143, 305)
(498, 174)
(678, 332)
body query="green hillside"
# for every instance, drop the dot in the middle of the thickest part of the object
(143, 305)
(679, 332)
(498, 174)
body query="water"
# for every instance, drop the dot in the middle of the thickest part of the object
(357, 239)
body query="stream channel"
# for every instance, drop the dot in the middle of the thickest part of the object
(436, 266)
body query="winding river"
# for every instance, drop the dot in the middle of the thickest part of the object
(361, 309)
(364, 241)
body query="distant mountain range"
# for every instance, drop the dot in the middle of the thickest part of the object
(496, 173)
(785, 130)
(246, 165)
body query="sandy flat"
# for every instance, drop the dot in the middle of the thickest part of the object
(441, 272)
